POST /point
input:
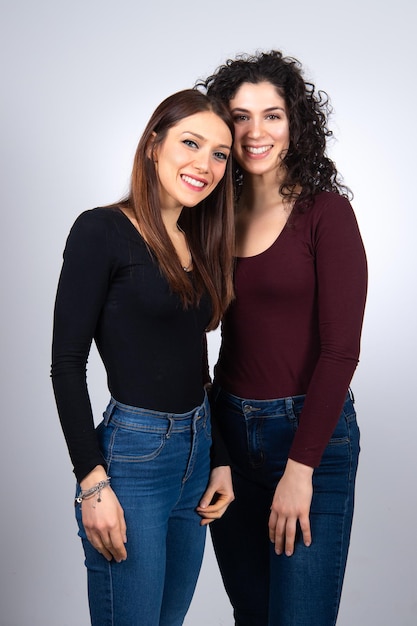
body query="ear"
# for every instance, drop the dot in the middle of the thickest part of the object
(151, 150)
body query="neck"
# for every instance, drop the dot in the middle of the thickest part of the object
(261, 194)
(260, 198)
(170, 219)
(178, 237)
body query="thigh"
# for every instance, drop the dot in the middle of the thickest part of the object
(147, 468)
(127, 593)
(186, 536)
(306, 587)
(258, 439)
(130, 593)
(185, 549)
(241, 544)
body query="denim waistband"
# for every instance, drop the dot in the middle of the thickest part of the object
(117, 411)
(277, 406)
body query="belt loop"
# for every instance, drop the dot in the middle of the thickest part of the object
(171, 423)
(109, 411)
(352, 397)
(289, 406)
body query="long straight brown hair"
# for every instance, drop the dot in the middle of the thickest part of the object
(209, 226)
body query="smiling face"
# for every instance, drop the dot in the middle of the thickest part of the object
(192, 159)
(262, 133)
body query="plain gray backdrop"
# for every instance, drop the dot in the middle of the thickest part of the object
(78, 82)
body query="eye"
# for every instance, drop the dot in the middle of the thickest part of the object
(240, 118)
(273, 116)
(222, 156)
(190, 143)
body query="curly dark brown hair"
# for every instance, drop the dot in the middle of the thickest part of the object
(306, 162)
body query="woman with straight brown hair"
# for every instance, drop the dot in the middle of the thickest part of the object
(145, 278)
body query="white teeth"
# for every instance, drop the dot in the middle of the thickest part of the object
(193, 181)
(257, 150)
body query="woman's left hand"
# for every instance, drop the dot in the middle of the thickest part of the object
(218, 495)
(291, 504)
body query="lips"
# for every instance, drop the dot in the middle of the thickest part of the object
(194, 182)
(256, 151)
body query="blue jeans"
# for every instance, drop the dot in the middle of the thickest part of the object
(266, 589)
(159, 466)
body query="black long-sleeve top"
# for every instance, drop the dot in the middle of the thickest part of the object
(112, 291)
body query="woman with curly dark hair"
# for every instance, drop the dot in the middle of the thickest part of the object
(290, 346)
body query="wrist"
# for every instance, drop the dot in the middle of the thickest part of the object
(92, 492)
(94, 477)
(295, 467)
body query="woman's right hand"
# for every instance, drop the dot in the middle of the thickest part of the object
(104, 521)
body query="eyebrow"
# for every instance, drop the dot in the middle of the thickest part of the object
(191, 132)
(268, 110)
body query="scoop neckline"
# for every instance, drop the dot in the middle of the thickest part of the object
(254, 256)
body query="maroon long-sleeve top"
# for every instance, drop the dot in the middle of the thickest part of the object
(295, 325)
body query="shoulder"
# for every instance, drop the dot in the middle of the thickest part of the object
(97, 224)
(331, 202)
(92, 232)
(99, 217)
(331, 209)
(332, 225)
(329, 221)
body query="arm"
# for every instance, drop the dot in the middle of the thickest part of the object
(219, 493)
(341, 285)
(218, 453)
(341, 280)
(80, 297)
(81, 293)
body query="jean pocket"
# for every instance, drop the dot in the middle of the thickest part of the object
(340, 435)
(132, 445)
(347, 422)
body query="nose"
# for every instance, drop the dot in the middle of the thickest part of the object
(201, 162)
(255, 129)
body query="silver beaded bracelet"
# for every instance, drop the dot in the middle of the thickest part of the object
(95, 490)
